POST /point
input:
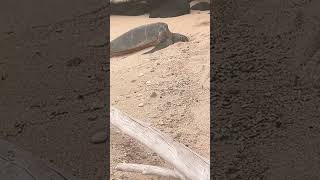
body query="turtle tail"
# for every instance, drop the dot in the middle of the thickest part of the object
(176, 37)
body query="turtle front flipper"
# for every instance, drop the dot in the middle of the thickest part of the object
(160, 46)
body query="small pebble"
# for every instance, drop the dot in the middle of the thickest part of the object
(153, 94)
(9, 32)
(278, 124)
(148, 82)
(60, 98)
(37, 52)
(178, 135)
(4, 76)
(99, 137)
(154, 116)
(141, 105)
(59, 30)
(92, 118)
(80, 97)
(76, 61)
(141, 74)
(104, 67)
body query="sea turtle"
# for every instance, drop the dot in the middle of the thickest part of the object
(155, 34)
(17, 164)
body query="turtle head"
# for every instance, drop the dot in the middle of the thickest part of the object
(176, 37)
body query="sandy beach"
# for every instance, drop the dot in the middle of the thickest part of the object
(168, 89)
(265, 74)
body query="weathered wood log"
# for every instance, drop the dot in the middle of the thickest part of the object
(188, 163)
(149, 170)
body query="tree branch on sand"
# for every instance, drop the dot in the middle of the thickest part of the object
(187, 163)
(149, 170)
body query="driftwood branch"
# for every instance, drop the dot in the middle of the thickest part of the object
(188, 163)
(149, 170)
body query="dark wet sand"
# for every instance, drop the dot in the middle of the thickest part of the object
(267, 105)
(52, 83)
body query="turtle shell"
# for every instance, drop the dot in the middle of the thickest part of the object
(138, 38)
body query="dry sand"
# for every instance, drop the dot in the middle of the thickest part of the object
(172, 85)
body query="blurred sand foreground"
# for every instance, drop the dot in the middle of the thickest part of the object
(168, 89)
